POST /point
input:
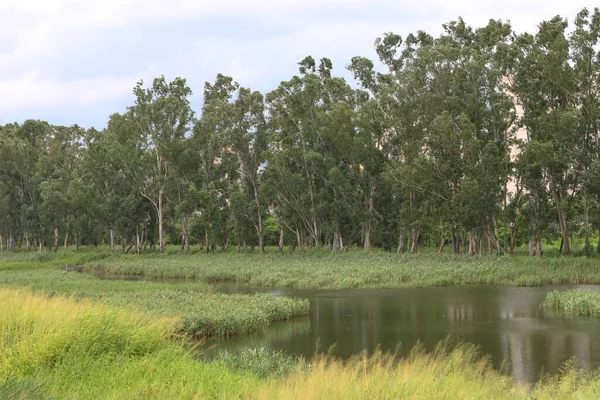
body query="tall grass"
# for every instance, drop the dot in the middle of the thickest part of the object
(323, 269)
(458, 374)
(199, 311)
(37, 332)
(71, 349)
(63, 349)
(574, 302)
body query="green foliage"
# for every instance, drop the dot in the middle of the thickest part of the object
(200, 312)
(261, 362)
(574, 302)
(315, 269)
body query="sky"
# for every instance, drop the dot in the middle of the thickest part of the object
(77, 61)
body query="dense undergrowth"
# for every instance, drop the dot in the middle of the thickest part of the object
(377, 269)
(58, 348)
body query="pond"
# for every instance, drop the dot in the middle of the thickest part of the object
(507, 323)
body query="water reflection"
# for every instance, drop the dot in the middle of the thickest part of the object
(508, 323)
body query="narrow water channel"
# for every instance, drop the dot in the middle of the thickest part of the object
(507, 323)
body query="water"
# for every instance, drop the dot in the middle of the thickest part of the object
(507, 323)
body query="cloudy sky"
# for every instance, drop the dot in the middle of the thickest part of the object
(76, 61)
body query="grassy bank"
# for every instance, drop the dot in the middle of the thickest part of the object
(59, 348)
(574, 302)
(323, 269)
(198, 310)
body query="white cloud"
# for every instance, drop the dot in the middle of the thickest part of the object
(29, 91)
(34, 32)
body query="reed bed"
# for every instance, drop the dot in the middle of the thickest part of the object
(199, 311)
(574, 302)
(323, 269)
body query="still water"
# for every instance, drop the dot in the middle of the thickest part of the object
(507, 323)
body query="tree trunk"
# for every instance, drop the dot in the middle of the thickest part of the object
(27, 242)
(137, 240)
(442, 243)
(129, 248)
(338, 243)
(11, 242)
(55, 237)
(562, 220)
(401, 242)
(185, 221)
(586, 216)
(415, 240)
(538, 247)
(66, 243)
(531, 247)
(315, 231)
(112, 240)
(442, 239)
(455, 241)
(1, 242)
(76, 240)
(513, 239)
(206, 240)
(260, 227)
(299, 239)
(281, 237)
(472, 243)
(367, 244)
(161, 232)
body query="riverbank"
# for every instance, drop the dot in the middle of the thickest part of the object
(61, 348)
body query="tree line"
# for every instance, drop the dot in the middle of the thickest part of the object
(423, 151)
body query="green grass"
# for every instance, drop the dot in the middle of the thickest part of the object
(261, 362)
(574, 302)
(323, 269)
(84, 350)
(59, 348)
(200, 312)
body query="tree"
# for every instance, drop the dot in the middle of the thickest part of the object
(543, 82)
(162, 116)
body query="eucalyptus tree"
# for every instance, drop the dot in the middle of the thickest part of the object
(232, 132)
(583, 44)
(543, 82)
(397, 95)
(248, 139)
(211, 180)
(114, 163)
(371, 157)
(161, 116)
(22, 147)
(296, 162)
(57, 168)
(477, 118)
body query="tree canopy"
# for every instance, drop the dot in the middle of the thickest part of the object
(480, 139)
